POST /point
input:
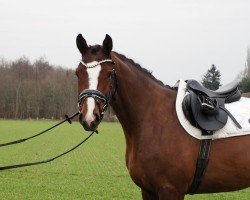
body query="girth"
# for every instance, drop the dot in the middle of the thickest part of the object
(201, 165)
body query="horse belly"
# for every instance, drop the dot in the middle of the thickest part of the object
(229, 166)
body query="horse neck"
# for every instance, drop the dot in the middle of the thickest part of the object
(138, 97)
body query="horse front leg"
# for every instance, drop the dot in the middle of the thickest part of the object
(170, 194)
(148, 195)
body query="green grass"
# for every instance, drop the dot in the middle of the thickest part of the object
(95, 170)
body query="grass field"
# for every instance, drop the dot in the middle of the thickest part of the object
(94, 171)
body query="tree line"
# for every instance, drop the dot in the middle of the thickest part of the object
(36, 90)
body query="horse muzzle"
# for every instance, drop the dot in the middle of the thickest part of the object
(89, 123)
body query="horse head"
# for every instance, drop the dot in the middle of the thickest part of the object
(95, 74)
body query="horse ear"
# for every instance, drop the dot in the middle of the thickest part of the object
(107, 44)
(81, 43)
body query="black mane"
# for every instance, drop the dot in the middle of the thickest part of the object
(143, 70)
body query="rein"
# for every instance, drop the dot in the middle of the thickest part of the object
(48, 160)
(96, 94)
(67, 118)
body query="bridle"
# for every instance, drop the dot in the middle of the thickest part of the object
(97, 95)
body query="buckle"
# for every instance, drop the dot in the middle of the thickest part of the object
(208, 105)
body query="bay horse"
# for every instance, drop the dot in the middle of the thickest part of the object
(160, 156)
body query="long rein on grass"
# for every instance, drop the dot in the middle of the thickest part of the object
(67, 119)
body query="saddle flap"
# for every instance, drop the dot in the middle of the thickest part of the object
(205, 121)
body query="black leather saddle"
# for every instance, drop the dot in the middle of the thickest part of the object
(228, 93)
(205, 108)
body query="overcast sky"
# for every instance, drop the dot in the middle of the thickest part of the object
(176, 39)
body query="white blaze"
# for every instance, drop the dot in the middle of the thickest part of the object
(93, 74)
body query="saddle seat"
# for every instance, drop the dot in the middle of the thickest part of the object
(229, 92)
(205, 108)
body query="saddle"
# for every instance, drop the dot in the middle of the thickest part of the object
(205, 108)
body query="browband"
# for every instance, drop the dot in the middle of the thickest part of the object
(96, 64)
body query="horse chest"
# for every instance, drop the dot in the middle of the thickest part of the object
(134, 168)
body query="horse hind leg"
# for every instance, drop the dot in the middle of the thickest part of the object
(146, 195)
(166, 194)
(163, 194)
